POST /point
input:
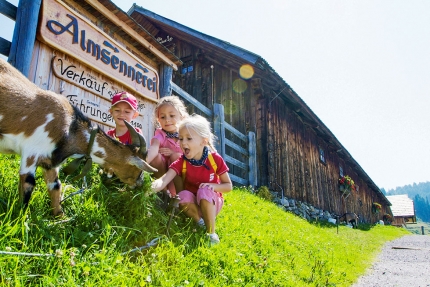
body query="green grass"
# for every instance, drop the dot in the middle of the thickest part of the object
(417, 228)
(261, 245)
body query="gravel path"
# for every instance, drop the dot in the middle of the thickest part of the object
(404, 262)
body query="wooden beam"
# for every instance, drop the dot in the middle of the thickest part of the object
(165, 80)
(7, 9)
(252, 149)
(114, 19)
(24, 35)
(4, 47)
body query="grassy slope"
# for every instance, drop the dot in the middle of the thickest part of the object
(261, 245)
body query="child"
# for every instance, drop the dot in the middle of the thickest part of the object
(124, 107)
(205, 174)
(164, 148)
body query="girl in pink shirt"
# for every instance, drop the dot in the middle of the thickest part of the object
(164, 147)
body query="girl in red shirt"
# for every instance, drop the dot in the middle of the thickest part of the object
(124, 107)
(204, 172)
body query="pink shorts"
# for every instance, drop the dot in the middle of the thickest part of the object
(202, 193)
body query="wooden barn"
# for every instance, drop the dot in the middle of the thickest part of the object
(89, 49)
(296, 153)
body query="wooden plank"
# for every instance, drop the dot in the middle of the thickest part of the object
(4, 46)
(219, 129)
(21, 49)
(238, 179)
(191, 99)
(8, 9)
(236, 162)
(252, 161)
(165, 80)
(112, 17)
(235, 131)
(236, 146)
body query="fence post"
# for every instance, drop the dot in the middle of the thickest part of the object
(219, 129)
(24, 35)
(252, 150)
(165, 80)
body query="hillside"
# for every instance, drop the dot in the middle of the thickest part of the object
(261, 245)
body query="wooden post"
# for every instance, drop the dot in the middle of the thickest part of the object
(166, 73)
(24, 35)
(219, 129)
(252, 150)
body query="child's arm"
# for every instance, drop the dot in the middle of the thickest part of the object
(223, 187)
(153, 150)
(162, 182)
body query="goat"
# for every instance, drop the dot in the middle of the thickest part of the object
(350, 218)
(45, 129)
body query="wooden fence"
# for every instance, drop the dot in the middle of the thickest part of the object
(219, 127)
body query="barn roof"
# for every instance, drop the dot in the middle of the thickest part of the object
(401, 205)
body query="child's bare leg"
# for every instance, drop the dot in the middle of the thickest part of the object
(191, 210)
(179, 183)
(209, 215)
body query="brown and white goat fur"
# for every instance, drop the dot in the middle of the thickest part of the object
(350, 218)
(45, 129)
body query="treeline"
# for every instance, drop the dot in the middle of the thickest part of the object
(419, 193)
(422, 208)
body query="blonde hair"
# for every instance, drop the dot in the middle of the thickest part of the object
(175, 102)
(201, 126)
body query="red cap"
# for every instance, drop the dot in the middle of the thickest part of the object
(126, 98)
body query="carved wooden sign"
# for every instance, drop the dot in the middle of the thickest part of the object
(95, 104)
(69, 32)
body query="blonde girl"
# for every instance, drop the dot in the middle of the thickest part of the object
(164, 147)
(205, 174)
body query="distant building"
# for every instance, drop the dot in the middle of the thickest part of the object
(403, 210)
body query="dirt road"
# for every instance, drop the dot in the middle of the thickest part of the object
(404, 262)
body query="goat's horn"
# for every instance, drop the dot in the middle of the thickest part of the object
(137, 139)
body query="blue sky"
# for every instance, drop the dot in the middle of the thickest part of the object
(363, 67)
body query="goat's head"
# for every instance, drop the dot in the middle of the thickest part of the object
(127, 162)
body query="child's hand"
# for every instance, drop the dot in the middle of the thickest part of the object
(165, 151)
(157, 185)
(208, 185)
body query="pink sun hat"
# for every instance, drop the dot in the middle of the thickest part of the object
(126, 98)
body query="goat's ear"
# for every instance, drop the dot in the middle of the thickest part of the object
(141, 164)
(137, 139)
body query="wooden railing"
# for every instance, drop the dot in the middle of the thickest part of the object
(248, 160)
(9, 10)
